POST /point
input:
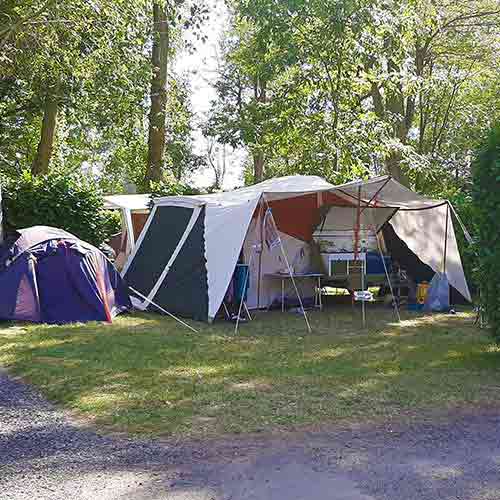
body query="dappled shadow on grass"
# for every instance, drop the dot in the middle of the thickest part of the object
(148, 374)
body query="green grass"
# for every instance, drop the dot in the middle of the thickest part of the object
(146, 374)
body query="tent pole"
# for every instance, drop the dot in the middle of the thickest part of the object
(356, 253)
(466, 232)
(396, 306)
(446, 238)
(363, 310)
(374, 197)
(289, 268)
(163, 310)
(261, 249)
(357, 226)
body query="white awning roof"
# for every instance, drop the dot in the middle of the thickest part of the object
(382, 190)
(274, 189)
(127, 201)
(385, 191)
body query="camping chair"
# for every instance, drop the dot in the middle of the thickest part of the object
(241, 279)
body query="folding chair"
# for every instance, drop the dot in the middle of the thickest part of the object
(241, 280)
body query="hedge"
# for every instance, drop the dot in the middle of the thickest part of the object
(486, 197)
(67, 201)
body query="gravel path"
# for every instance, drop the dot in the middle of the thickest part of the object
(45, 455)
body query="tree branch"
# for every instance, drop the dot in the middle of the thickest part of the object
(8, 32)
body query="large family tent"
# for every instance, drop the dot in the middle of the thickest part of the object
(47, 275)
(186, 255)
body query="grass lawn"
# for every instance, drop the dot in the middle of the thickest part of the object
(147, 374)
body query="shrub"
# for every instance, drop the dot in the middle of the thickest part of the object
(170, 186)
(66, 201)
(486, 196)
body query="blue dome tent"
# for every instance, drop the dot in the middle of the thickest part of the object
(48, 275)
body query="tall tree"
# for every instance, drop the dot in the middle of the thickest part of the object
(157, 114)
(48, 131)
(169, 18)
(362, 85)
(67, 71)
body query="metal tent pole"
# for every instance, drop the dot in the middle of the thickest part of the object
(163, 310)
(379, 246)
(445, 251)
(357, 229)
(289, 268)
(261, 249)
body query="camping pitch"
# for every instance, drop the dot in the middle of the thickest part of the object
(47, 275)
(186, 256)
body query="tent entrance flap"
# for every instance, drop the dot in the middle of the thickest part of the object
(159, 240)
(187, 231)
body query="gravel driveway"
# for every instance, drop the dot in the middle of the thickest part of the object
(45, 455)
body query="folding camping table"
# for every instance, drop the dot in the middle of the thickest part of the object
(286, 276)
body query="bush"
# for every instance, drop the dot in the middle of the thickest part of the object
(486, 196)
(69, 202)
(171, 187)
(466, 209)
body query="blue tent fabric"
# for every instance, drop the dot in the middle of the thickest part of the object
(50, 276)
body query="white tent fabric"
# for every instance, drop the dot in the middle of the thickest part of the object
(344, 218)
(127, 201)
(225, 231)
(424, 232)
(386, 192)
(274, 189)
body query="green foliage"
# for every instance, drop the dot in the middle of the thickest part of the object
(68, 202)
(170, 186)
(486, 171)
(347, 88)
(180, 159)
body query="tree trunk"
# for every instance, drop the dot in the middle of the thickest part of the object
(157, 113)
(260, 88)
(41, 162)
(258, 166)
(393, 167)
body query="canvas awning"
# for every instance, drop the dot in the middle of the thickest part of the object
(127, 201)
(128, 204)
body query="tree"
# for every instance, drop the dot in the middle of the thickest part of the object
(57, 199)
(354, 86)
(159, 63)
(168, 15)
(407, 49)
(487, 202)
(217, 161)
(67, 73)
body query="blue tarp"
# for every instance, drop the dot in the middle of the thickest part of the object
(50, 276)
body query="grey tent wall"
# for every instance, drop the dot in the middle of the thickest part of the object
(184, 290)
